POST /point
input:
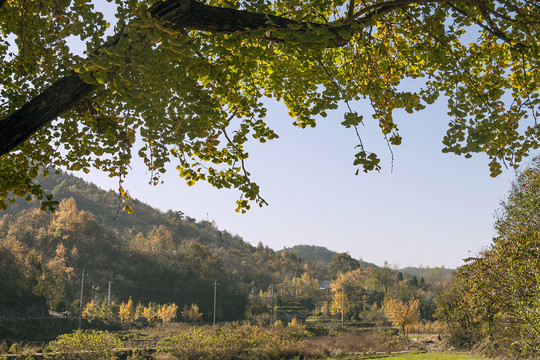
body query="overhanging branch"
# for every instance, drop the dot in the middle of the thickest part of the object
(66, 92)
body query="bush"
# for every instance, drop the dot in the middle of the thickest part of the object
(88, 345)
(246, 342)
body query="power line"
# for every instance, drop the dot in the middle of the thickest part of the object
(165, 288)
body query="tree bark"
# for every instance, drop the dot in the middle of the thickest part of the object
(44, 108)
(193, 15)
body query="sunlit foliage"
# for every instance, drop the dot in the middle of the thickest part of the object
(192, 89)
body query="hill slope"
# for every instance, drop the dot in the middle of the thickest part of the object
(148, 255)
(320, 254)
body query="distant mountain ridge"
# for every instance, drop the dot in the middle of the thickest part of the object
(320, 254)
(324, 256)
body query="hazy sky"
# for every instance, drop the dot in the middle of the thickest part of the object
(433, 209)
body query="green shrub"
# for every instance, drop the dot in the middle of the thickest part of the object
(88, 345)
(246, 342)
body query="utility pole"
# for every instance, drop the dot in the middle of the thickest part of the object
(215, 287)
(81, 302)
(342, 306)
(272, 292)
(109, 302)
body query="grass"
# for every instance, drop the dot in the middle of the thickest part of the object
(422, 356)
(436, 356)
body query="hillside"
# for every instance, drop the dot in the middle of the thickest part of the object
(152, 256)
(148, 255)
(312, 252)
(320, 254)
(430, 274)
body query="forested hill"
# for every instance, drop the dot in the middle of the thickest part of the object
(163, 257)
(320, 254)
(107, 210)
(324, 256)
(148, 255)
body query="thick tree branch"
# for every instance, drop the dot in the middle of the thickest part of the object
(65, 93)
(193, 15)
(44, 108)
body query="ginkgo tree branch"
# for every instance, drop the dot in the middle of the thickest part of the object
(388, 6)
(491, 28)
(66, 92)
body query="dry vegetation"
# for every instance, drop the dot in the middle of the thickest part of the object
(236, 341)
(358, 342)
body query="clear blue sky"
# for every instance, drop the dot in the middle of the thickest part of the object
(434, 209)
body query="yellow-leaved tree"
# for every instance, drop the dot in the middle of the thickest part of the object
(151, 311)
(91, 310)
(402, 314)
(340, 302)
(192, 313)
(325, 308)
(127, 311)
(167, 312)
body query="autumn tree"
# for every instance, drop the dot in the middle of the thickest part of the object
(303, 289)
(402, 314)
(455, 307)
(105, 310)
(187, 79)
(151, 311)
(55, 276)
(326, 308)
(342, 263)
(383, 278)
(159, 240)
(167, 312)
(91, 310)
(353, 283)
(192, 313)
(126, 312)
(15, 297)
(340, 302)
(503, 282)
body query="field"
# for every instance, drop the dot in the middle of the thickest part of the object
(422, 356)
(235, 341)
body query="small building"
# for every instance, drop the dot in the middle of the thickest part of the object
(324, 284)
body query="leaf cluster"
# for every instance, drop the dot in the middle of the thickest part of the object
(194, 96)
